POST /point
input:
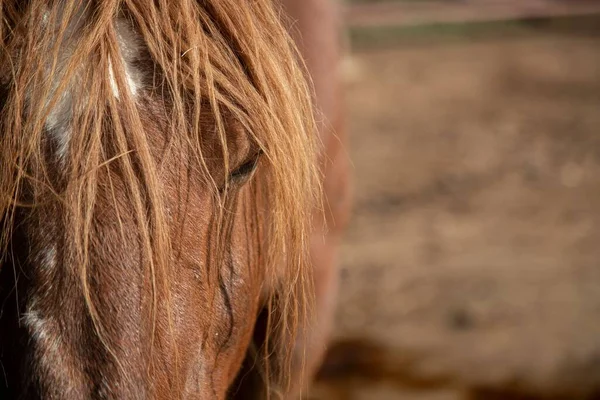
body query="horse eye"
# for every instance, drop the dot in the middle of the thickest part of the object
(244, 171)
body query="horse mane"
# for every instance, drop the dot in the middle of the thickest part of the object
(231, 57)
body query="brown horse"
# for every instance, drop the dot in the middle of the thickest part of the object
(157, 179)
(316, 25)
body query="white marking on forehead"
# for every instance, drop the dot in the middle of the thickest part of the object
(132, 83)
(129, 48)
(59, 119)
(57, 124)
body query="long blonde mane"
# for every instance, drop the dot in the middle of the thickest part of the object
(231, 57)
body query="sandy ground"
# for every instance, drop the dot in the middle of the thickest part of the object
(472, 260)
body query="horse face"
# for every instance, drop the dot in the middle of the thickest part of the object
(178, 332)
(218, 269)
(140, 225)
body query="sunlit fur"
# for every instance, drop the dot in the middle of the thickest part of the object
(96, 164)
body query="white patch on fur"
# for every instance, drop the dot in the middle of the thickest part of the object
(129, 48)
(112, 80)
(132, 83)
(57, 124)
(59, 119)
(51, 350)
(38, 327)
(49, 257)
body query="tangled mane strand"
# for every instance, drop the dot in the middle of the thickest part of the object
(232, 56)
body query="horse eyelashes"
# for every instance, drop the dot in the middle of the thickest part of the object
(244, 171)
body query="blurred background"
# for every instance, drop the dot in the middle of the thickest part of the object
(471, 266)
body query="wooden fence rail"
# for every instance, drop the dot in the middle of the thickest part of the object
(459, 11)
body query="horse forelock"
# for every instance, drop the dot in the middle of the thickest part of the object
(60, 115)
(81, 91)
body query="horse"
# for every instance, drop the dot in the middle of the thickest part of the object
(316, 26)
(159, 178)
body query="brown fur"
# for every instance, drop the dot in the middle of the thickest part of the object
(141, 259)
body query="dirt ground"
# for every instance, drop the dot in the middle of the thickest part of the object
(471, 266)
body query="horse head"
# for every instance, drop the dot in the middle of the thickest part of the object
(157, 174)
